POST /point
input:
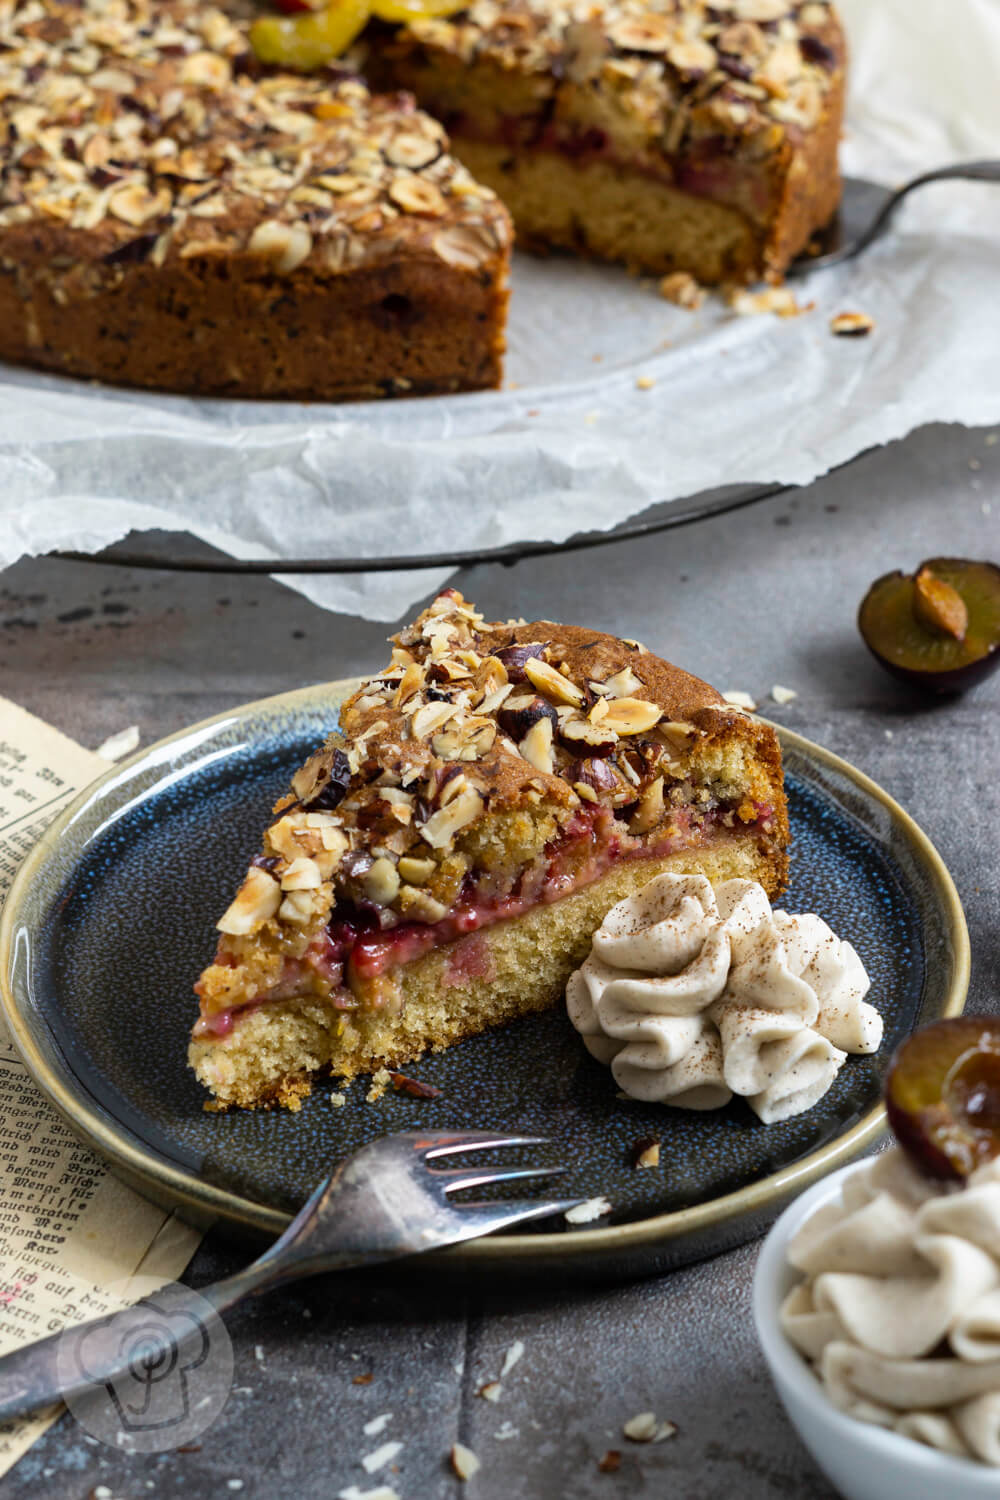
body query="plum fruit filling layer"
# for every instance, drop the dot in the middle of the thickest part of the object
(350, 962)
(711, 167)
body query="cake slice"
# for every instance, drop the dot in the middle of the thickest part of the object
(673, 135)
(173, 215)
(440, 866)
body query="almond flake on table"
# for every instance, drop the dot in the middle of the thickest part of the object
(774, 299)
(377, 1424)
(853, 325)
(381, 1456)
(738, 699)
(463, 1461)
(585, 1213)
(118, 745)
(510, 1359)
(782, 694)
(353, 1493)
(645, 382)
(491, 1391)
(645, 1427)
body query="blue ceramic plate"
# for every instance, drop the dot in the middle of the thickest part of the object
(111, 920)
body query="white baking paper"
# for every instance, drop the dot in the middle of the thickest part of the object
(573, 443)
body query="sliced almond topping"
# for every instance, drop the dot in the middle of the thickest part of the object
(419, 905)
(430, 716)
(452, 789)
(411, 682)
(852, 324)
(257, 899)
(631, 715)
(417, 196)
(286, 246)
(298, 907)
(536, 747)
(442, 826)
(650, 809)
(412, 151)
(382, 882)
(551, 682)
(303, 874)
(680, 735)
(624, 684)
(416, 871)
(598, 712)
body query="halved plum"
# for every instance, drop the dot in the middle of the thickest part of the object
(943, 1096)
(937, 628)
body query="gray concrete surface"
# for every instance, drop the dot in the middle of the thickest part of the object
(747, 600)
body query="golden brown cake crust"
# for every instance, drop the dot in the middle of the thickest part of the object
(172, 216)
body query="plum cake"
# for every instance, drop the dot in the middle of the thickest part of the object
(439, 866)
(674, 135)
(173, 214)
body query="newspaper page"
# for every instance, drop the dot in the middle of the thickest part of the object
(69, 1230)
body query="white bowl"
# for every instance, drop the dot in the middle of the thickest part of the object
(860, 1460)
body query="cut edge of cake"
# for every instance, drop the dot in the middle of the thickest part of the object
(440, 866)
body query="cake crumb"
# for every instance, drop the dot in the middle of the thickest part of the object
(646, 1152)
(852, 325)
(380, 1082)
(645, 383)
(736, 698)
(363, 1379)
(514, 1354)
(491, 1391)
(682, 289)
(338, 1100)
(611, 1462)
(463, 1461)
(782, 694)
(585, 1213)
(779, 300)
(507, 1431)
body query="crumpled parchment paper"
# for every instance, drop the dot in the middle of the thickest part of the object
(573, 443)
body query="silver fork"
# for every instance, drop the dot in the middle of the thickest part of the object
(387, 1200)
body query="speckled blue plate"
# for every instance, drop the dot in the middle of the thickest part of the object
(111, 919)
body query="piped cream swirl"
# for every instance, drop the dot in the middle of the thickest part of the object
(899, 1308)
(694, 994)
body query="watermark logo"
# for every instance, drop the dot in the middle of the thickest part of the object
(153, 1379)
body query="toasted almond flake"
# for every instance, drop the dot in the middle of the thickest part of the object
(286, 246)
(463, 1461)
(631, 715)
(513, 1356)
(852, 325)
(650, 810)
(303, 874)
(536, 747)
(418, 196)
(551, 683)
(680, 735)
(257, 899)
(120, 744)
(782, 694)
(775, 299)
(372, 1462)
(624, 684)
(586, 1213)
(430, 716)
(491, 1391)
(641, 1428)
(736, 698)
(382, 882)
(416, 871)
(442, 826)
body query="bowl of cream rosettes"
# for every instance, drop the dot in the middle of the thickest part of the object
(877, 1293)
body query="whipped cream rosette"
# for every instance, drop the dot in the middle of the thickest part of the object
(693, 994)
(899, 1310)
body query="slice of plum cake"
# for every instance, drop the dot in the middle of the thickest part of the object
(439, 866)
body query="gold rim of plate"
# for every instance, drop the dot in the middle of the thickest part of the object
(206, 1203)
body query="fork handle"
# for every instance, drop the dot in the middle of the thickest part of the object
(158, 1327)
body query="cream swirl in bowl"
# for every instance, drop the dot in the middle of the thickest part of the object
(899, 1306)
(693, 994)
